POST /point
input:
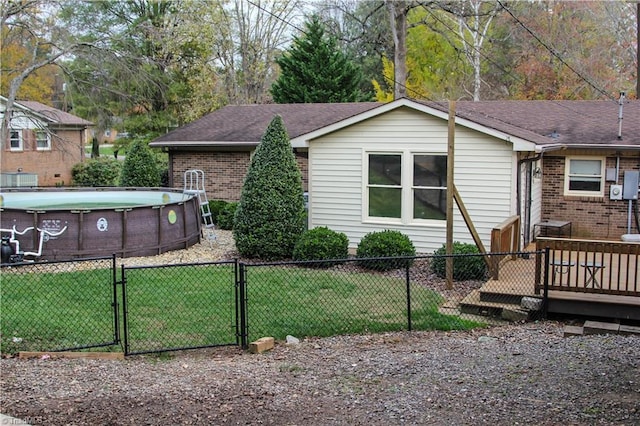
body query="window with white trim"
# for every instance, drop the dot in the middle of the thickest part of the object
(15, 140)
(584, 176)
(43, 140)
(405, 187)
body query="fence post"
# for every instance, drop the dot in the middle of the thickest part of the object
(408, 282)
(123, 281)
(242, 300)
(114, 304)
(545, 293)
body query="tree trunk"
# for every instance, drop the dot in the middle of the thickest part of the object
(398, 18)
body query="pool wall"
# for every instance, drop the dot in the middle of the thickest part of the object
(168, 221)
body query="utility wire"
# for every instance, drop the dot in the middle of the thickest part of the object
(554, 53)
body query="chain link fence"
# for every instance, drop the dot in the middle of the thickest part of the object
(323, 298)
(91, 303)
(182, 306)
(57, 306)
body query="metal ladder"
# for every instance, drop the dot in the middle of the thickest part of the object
(194, 185)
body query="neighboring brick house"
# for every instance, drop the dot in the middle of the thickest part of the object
(43, 144)
(542, 160)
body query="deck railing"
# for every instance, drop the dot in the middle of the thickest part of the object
(590, 266)
(505, 237)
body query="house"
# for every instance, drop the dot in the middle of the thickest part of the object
(42, 146)
(375, 166)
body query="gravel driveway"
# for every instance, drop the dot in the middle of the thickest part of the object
(516, 374)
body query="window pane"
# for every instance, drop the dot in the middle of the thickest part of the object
(385, 202)
(584, 184)
(430, 204)
(385, 169)
(585, 167)
(430, 170)
(41, 140)
(15, 139)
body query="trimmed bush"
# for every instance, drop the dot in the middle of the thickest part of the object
(140, 168)
(226, 215)
(320, 244)
(467, 267)
(387, 243)
(270, 216)
(97, 172)
(215, 207)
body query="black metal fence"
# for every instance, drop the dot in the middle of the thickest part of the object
(58, 306)
(92, 303)
(183, 306)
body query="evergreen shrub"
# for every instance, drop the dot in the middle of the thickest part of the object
(226, 215)
(321, 243)
(387, 243)
(97, 172)
(269, 219)
(140, 168)
(468, 264)
(215, 207)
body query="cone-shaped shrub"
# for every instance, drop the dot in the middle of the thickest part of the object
(269, 218)
(140, 168)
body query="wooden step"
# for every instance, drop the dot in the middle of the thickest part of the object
(473, 304)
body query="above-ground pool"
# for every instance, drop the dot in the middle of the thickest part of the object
(92, 222)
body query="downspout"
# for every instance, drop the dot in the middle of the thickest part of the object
(526, 222)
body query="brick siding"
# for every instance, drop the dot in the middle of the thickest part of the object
(53, 167)
(591, 217)
(224, 171)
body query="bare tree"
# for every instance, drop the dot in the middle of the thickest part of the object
(32, 24)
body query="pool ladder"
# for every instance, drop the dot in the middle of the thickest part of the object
(194, 185)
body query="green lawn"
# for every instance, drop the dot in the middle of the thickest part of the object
(175, 307)
(105, 150)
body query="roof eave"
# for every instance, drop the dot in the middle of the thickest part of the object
(564, 146)
(203, 144)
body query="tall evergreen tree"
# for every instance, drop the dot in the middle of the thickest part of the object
(315, 70)
(270, 216)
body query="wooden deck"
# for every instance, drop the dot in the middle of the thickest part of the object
(612, 291)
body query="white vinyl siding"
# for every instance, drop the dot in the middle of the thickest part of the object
(484, 176)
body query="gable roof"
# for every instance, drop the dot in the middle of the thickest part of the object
(529, 125)
(46, 113)
(245, 124)
(54, 115)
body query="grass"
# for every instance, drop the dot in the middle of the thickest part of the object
(105, 150)
(188, 306)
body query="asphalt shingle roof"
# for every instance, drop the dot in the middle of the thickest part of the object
(545, 123)
(247, 123)
(54, 114)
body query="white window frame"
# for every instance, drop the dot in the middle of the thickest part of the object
(37, 134)
(567, 177)
(407, 188)
(20, 146)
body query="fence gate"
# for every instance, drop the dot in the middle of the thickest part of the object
(174, 307)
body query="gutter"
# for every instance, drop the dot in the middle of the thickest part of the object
(564, 146)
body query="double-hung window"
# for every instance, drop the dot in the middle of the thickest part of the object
(43, 140)
(584, 176)
(15, 140)
(405, 187)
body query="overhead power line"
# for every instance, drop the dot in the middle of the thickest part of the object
(555, 54)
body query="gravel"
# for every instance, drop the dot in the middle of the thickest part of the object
(506, 375)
